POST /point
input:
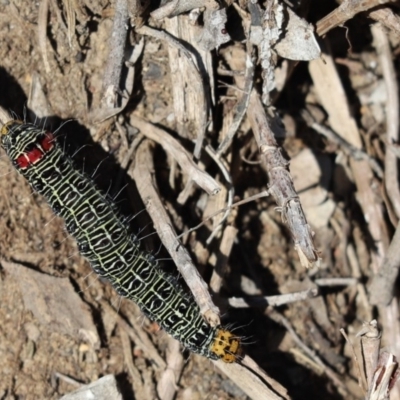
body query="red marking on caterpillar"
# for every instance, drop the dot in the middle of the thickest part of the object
(47, 142)
(36, 153)
(106, 241)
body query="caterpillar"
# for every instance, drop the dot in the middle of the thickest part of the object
(105, 240)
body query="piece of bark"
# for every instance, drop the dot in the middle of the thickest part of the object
(327, 81)
(167, 385)
(176, 7)
(54, 303)
(388, 18)
(105, 388)
(382, 45)
(117, 43)
(370, 343)
(192, 69)
(253, 380)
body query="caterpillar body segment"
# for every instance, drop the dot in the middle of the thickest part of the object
(105, 240)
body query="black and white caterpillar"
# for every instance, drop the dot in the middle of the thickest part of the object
(105, 240)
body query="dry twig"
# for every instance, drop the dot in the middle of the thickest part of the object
(42, 33)
(141, 173)
(331, 374)
(384, 52)
(253, 380)
(112, 75)
(347, 10)
(178, 152)
(382, 284)
(241, 106)
(280, 182)
(388, 18)
(273, 301)
(326, 80)
(378, 372)
(167, 385)
(133, 371)
(348, 148)
(137, 335)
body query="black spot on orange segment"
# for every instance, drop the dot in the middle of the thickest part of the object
(226, 346)
(105, 239)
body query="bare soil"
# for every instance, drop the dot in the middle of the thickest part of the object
(56, 335)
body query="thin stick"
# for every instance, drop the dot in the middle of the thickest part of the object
(277, 317)
(382, 284)
(141, 172)
(348, 148)
(237, 204)
(167, 385)
(241, 106)
(137, 335)
(346, 11)
(112, 75)
(274, 301)
(42, 33)
(280, 182)
(178, 152)
(384, 52)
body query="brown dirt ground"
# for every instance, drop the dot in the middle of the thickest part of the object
(35, 356)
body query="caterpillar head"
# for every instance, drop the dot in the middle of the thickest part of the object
(25, 144)
(226, 346)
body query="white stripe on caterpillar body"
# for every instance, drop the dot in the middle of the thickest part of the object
(105, 240)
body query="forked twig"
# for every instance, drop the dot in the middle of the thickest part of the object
(178, 152)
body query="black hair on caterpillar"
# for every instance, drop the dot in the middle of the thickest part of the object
(105, 240)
